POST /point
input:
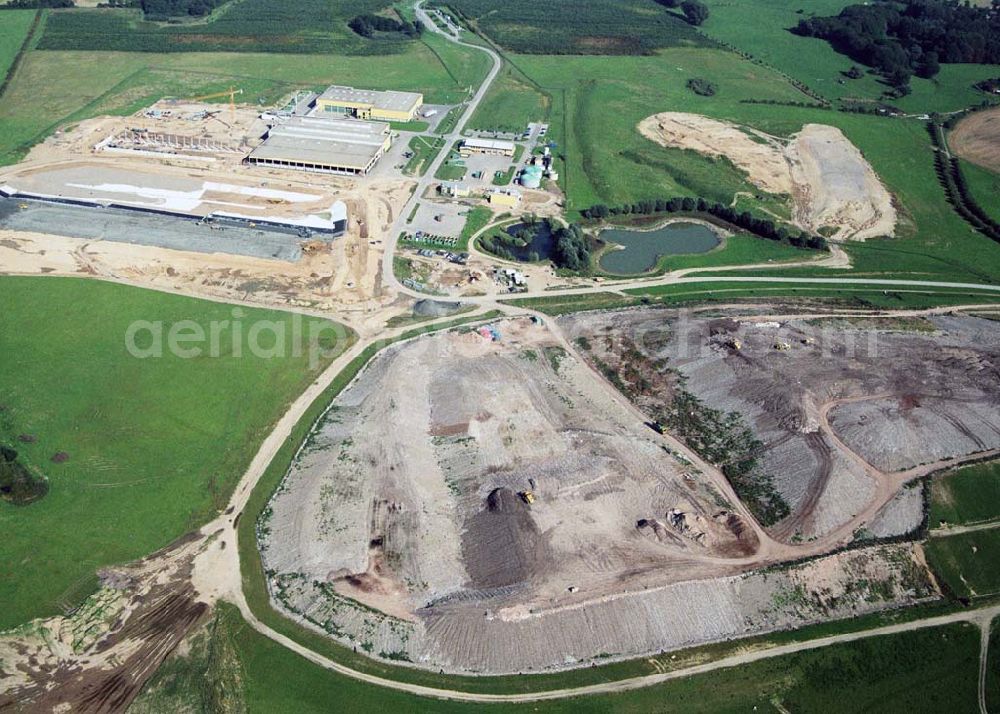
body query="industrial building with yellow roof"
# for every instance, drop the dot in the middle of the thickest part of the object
(370, 104)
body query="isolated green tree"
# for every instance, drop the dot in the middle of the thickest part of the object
(694, 12)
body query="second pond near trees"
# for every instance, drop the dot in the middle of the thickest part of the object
(641, 250)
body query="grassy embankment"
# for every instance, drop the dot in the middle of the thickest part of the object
(153, 446)
(76, 85)
(692, 292)
(929, 671)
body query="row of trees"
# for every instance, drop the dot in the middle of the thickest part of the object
(950, 174)
(763, 227)
(368, 25)
(899, 40)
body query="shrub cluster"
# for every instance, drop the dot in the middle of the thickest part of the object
(368, 25)
(701, 86)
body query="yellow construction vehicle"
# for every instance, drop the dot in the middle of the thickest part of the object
(527, 496)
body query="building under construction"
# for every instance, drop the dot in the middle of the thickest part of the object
(325, 144)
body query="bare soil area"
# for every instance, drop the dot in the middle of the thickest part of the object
(485, 506)
(830, 182)
(99, 658)
(842, 412)
(976, 138)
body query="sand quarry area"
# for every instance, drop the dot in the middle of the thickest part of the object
(830, 183)
(976, 138)
(403, 527)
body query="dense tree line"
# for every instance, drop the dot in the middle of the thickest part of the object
(763, 227)
(178, 8)
(368, 25)
(950, 174)
(35, 4)
(899, 39)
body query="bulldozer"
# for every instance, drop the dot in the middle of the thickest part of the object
(527, 496)
(314, 246)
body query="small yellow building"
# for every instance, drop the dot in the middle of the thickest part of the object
(505, 199)
(370, 104)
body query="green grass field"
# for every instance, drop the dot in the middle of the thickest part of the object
(13, 32)
(424, 150)
(77, 85)
(760, 28)
(155, 445)
(599, 27)
(453, 167)
(474, 222)
(966, 495)
(929, 671)
(597, 102)
(291, 26)
(510, 104)
(968, 563)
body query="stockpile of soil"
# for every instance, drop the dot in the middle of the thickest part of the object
(501, 544)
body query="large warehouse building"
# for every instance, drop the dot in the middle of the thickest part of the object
(327, 144)
(370, 104)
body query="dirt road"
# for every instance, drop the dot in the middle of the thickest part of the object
(982, 617)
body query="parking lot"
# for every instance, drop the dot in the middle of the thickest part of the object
(443, 219)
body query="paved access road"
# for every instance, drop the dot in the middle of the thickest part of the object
(425, 181)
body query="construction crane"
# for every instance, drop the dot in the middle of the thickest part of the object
(231, 93)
